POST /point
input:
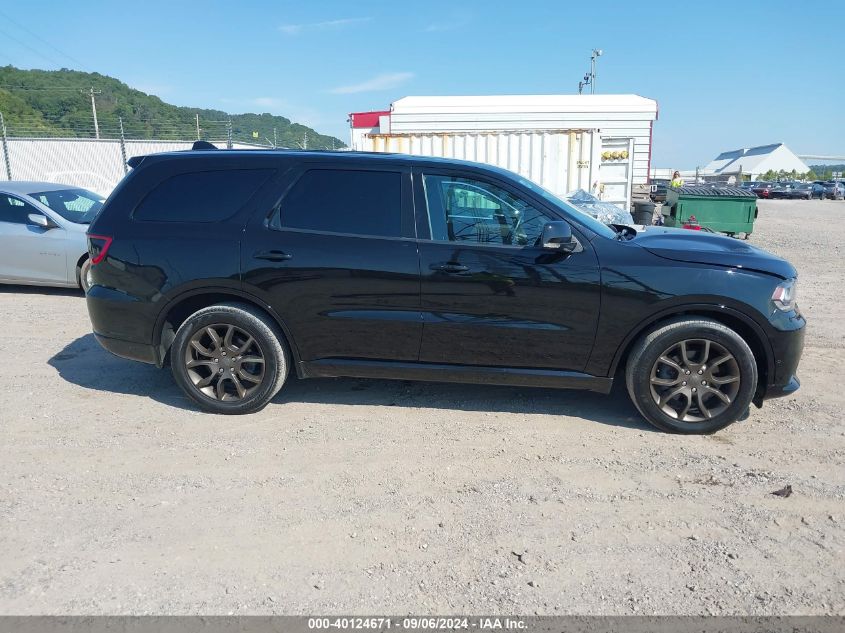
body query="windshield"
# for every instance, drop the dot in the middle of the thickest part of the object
(587, 220)
(75, 205)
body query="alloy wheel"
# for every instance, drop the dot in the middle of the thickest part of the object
(224, 362)
(694, 380)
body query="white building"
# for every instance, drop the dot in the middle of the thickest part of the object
(756, 161)
(599, 143)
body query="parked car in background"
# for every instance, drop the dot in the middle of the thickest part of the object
(834, 190)
(763, 189)
(42, 233)
(805, 191)
(239, 268)
(781, 190)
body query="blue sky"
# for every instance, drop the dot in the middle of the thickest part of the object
(725, 74)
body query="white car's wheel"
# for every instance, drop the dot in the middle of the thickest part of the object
(84, 275)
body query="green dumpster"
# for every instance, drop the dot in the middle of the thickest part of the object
(728, 210)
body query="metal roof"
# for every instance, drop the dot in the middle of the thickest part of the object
(527, 103)
(751, 160)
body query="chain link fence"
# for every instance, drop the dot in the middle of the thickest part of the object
(93, 155)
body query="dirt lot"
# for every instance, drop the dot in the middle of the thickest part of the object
(351, 496)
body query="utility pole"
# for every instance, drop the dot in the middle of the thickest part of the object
(597, 52)
(305, 140)
(590, 77)
(198, 126)
(91, 94)
(275, 139)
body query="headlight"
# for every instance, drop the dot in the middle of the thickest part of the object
(784, 295)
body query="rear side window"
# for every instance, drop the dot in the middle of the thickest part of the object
(343, 201)
(203, 196)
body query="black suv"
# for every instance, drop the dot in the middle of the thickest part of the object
(238, 267)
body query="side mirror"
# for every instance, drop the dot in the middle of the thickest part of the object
(41, 220)
(557, 236)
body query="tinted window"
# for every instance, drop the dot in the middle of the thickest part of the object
(76, 205)
(205, 196)
(15, 211)
(343, 201)
(466, 210)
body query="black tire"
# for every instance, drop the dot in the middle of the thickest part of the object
(265, 378)
(646, 367)
(83, 275)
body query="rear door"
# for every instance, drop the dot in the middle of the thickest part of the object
(490, 295)
(336, 258)
(28, 252)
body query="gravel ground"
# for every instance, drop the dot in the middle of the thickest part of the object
(352, 496)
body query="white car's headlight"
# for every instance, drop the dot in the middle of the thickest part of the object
(784, 295)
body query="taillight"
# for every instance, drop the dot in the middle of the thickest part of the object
(98, 247)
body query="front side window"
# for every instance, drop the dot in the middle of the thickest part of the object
(203, 196)
(14, 211)
(76, 205)
(343, 201)
(468, 210)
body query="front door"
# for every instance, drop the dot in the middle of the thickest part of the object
(28, 252)
(337, 260)
(490, 295)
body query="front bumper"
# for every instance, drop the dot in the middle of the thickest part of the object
(787, 346)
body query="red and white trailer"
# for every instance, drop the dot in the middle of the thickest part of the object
(599, 143)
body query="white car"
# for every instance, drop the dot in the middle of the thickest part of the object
(42, 233)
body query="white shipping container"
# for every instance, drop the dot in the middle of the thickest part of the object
(559, 160)
(600, 143)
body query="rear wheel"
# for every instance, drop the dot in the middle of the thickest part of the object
(691, 375)
(229, 358)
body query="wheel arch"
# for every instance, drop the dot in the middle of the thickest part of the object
(741, 323)
(178, 309)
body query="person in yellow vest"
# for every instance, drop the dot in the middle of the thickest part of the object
(677, 181)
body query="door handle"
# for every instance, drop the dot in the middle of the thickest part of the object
(272, 256)
(450, 267)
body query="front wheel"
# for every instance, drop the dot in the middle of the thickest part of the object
(229, 358)
(691, 375)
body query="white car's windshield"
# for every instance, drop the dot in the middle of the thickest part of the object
(75, 205)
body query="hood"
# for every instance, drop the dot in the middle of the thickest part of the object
(698, 247)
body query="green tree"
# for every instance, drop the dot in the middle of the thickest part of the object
(57, 103)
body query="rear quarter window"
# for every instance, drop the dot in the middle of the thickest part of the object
(203, 196)
(343, 201)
